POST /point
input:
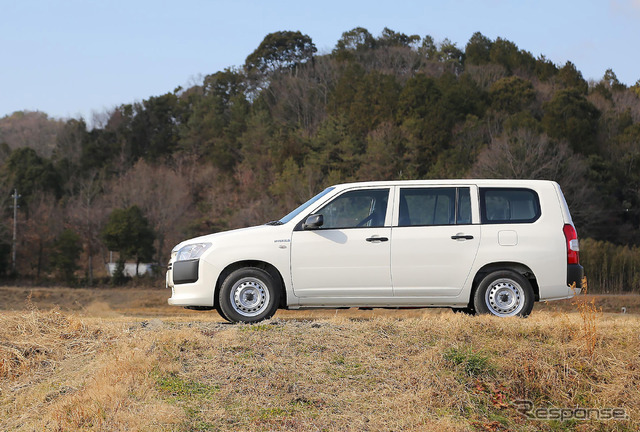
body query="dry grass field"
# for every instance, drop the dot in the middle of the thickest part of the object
(122, 360)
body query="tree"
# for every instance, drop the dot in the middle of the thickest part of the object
(569, 115)
(31, 129)
(336, 149)
(527, 154)
(66, 251)
(29, 173)
(609, 84)
(128, 232)
(524, 154)
(636, 88)
(357, 39)
(507, 54)
(571, 78)
(478, 49)
(226, 84)
(216, 122)
(545, 68)
(281, 50)
(299, 101)
(429, 49)
(392, 38)
(100, 149)
(365, 99)
(429, 109)
(384, 158)
(159, 192)
(151, 127)
(70, 141)
(37, 231)
(611, 80)
(511, 94)
(86, 211)
(450, 53)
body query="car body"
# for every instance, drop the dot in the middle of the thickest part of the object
(483, 246)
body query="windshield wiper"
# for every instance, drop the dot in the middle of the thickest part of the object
(275, 222)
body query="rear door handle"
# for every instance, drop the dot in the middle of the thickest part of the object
(461, 237)
(377, 239)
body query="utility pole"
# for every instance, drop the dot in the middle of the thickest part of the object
(15, 197)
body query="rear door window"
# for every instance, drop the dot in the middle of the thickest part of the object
(509, 205)
(434, 206)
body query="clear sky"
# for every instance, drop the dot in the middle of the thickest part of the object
(70, 58)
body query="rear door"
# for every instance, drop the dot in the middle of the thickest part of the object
(434, 240)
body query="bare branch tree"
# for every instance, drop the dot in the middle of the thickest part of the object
(87, 212)
(527, 154)
(161, 193)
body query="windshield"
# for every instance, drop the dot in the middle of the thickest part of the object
(302, 208)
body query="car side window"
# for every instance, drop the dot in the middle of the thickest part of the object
(356, 209)
(509, 205)
(434, 206)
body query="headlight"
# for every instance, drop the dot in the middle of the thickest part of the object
(192, 251)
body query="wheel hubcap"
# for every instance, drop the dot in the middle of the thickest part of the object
(505, 297)
(249, 297)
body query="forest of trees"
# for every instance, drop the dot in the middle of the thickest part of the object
(251, 142)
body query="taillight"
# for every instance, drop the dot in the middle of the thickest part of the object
(573, 248)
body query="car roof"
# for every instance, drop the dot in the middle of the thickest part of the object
(452, 182)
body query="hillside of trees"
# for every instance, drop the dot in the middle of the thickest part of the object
(249, 143)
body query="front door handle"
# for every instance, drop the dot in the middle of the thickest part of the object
(377, 239)
(461, 237)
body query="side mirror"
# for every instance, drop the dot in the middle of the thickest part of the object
(313, 221)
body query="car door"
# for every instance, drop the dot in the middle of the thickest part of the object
(434, 240)
(349, 254)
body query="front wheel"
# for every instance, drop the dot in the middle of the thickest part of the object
(248, 295)
(504, 293)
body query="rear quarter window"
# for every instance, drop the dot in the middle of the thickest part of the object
(509, 205)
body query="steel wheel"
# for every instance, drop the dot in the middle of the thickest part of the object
(504, 293)
(249, 297)
(505, 297)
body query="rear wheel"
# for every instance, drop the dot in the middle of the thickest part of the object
(248, 295)
(504, 293)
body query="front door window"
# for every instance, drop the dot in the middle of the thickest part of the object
(356, 209)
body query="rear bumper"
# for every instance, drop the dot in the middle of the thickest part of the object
(575, 274)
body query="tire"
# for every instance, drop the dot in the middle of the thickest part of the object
(248, 295)
(504, 293)
(219, 310)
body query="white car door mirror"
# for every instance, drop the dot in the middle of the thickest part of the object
(313, 222)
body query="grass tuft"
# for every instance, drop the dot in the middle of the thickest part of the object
(472, 362)
(173, 385)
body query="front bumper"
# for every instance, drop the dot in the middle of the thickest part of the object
(192, 283)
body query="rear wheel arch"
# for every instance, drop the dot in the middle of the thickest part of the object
(516, 267)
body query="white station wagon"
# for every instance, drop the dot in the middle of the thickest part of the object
(477, 246)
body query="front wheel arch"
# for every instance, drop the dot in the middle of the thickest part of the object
(269, 268)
